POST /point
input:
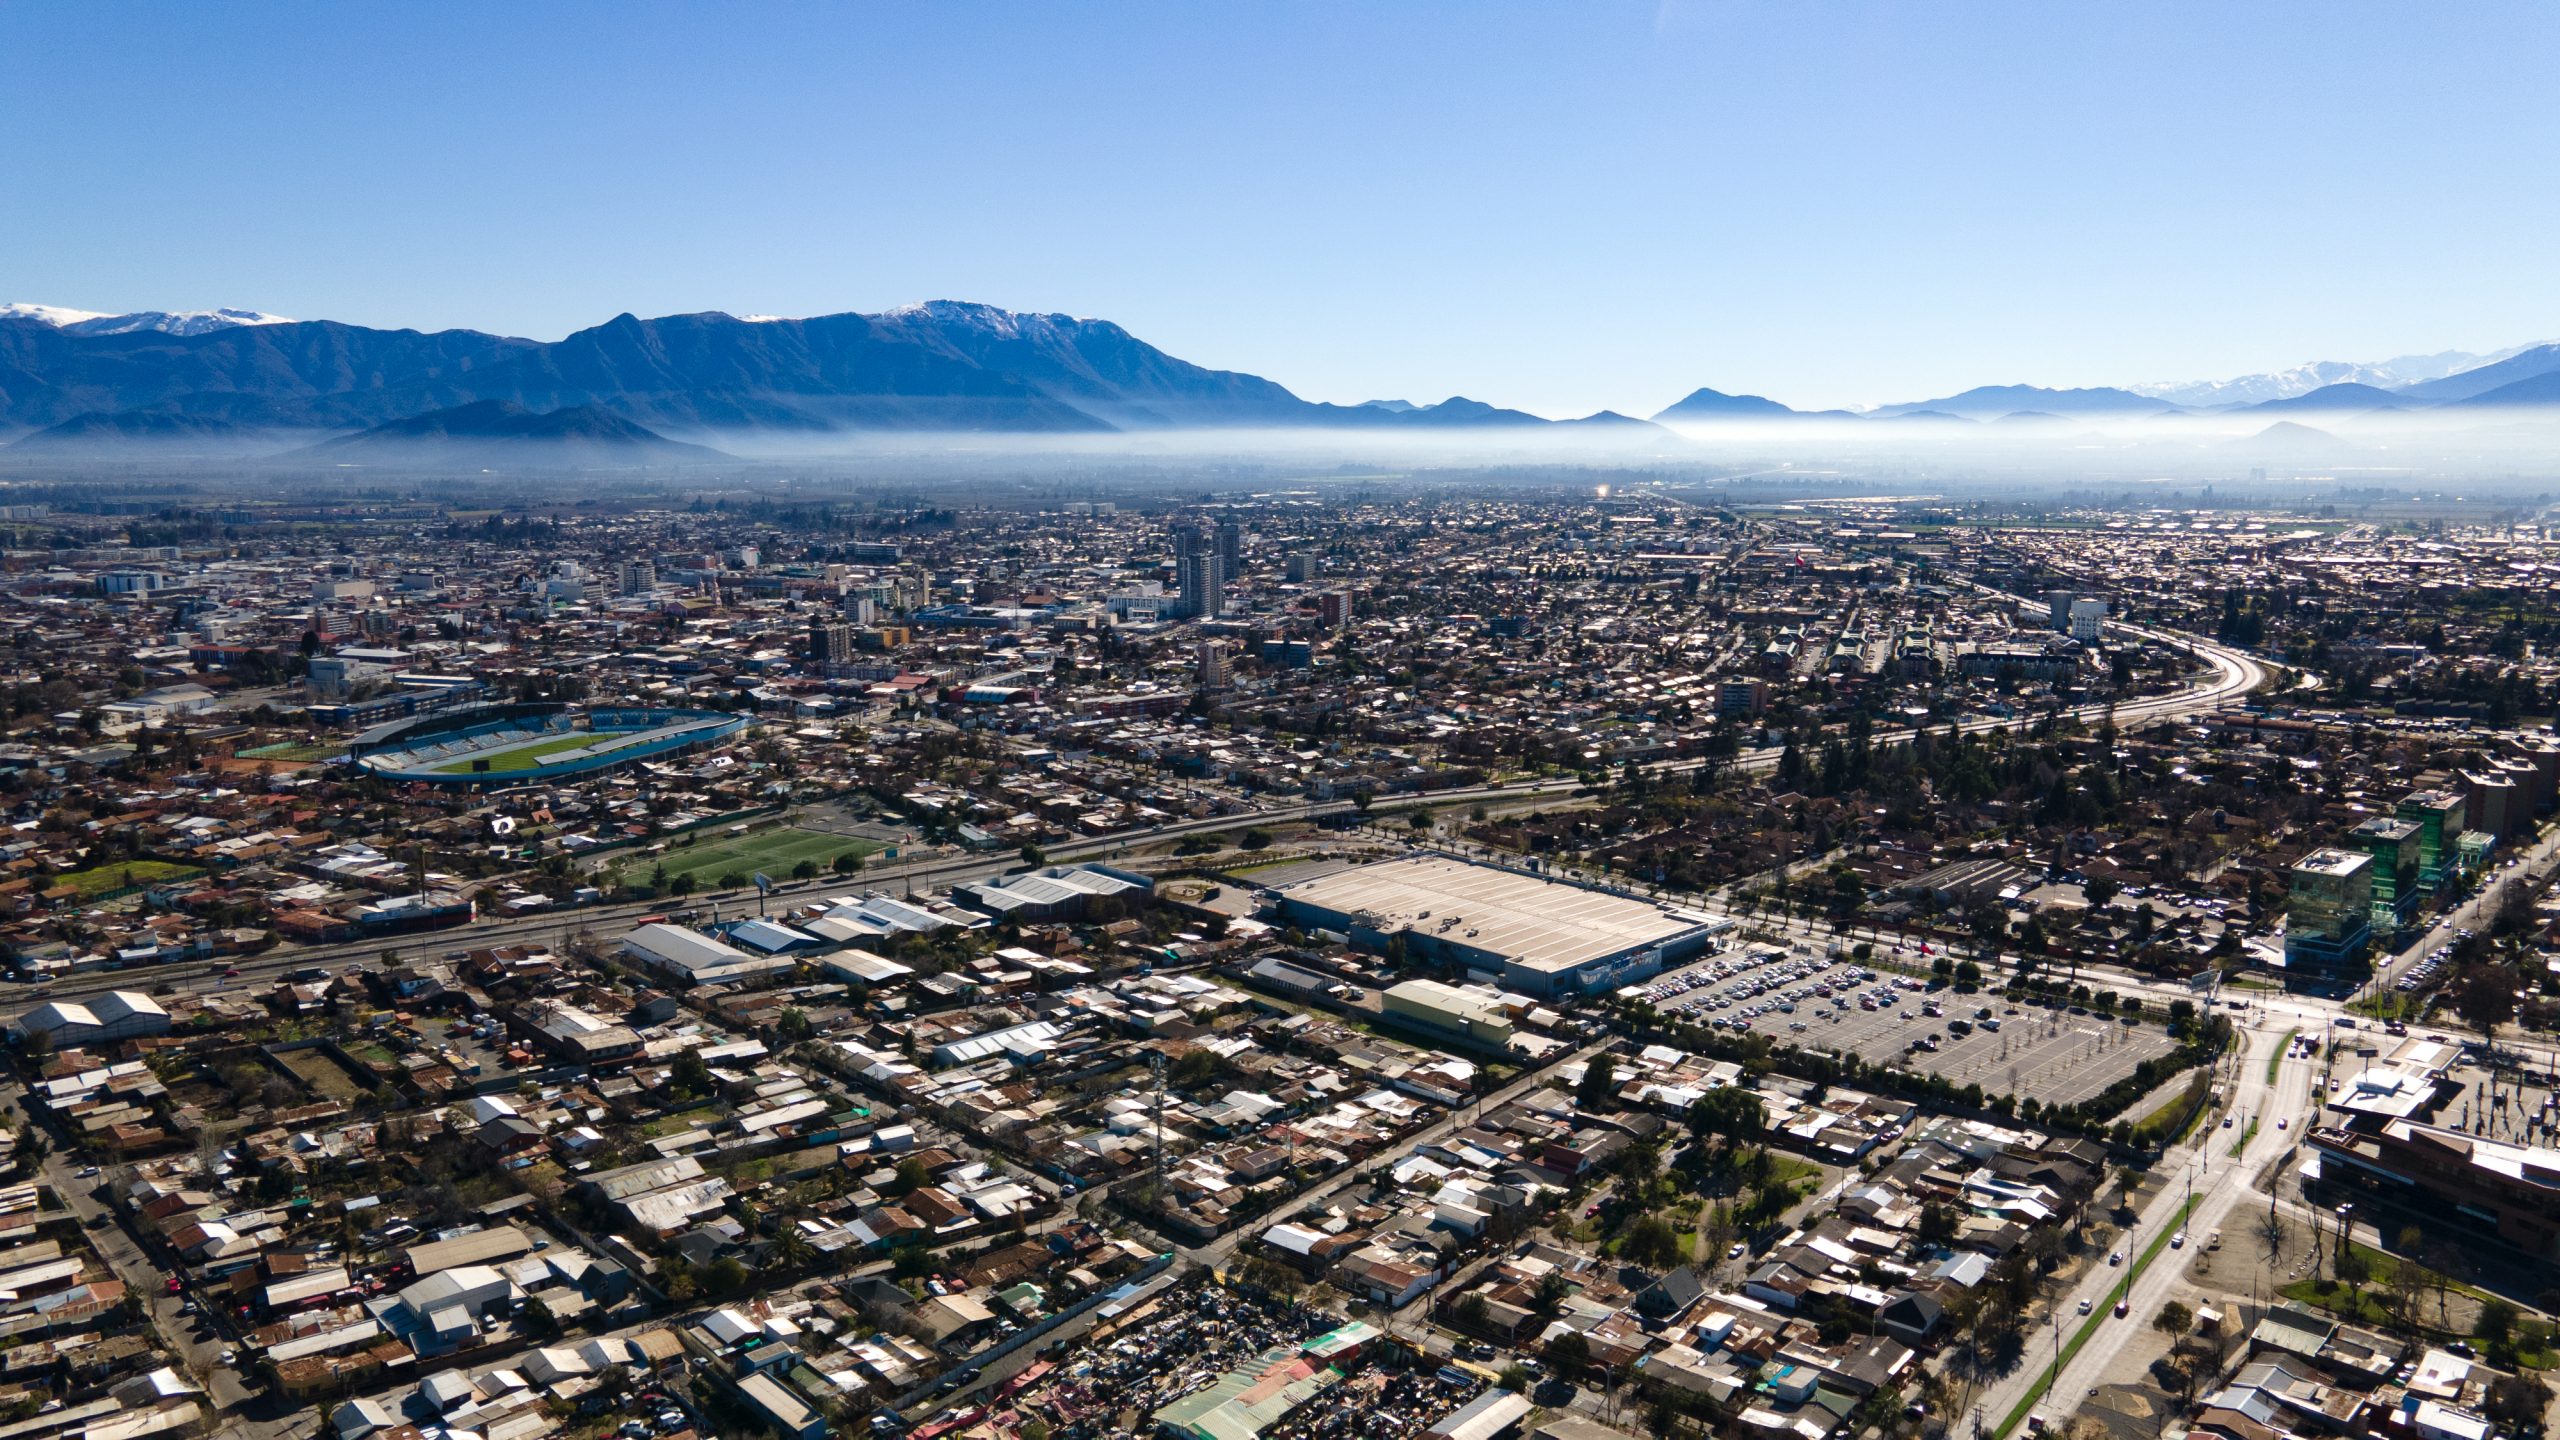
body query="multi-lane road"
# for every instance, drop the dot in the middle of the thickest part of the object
(2232, 674)
(2218, 1184)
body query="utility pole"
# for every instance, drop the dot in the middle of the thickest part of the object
(1155, 1064)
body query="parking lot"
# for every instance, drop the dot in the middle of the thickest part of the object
(1803, 998)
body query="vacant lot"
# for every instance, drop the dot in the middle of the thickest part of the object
(104, 878)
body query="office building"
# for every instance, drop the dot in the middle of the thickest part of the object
(1213, 665)
(1305, 567)
(2393, 844)
(2472, 1183)
(2440, 816)
(636, 577)
(2329, 917)
(2088, 621)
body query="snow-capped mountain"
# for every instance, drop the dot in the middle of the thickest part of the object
(167, 322)
(2319, 374)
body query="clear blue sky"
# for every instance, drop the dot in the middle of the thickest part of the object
(1559, 206)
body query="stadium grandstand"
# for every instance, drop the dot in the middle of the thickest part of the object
(532, 741)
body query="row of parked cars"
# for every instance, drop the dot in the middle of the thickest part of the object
(2425, 971)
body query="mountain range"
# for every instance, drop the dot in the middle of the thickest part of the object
(73, 381)
(501, 432)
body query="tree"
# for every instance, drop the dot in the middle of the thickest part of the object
(1731, 1115)
(848, 863)
(2517, 1403)
(2485, 997)
(2100, 890)
(2497, 1321)
(689, 1074)
(910, 1176)
(1032, 856)
(793, 1024)
(1599, 1087)
(2174, 1320)
(727, 1276)
(1650, 1242)
(535, 1319)
(1552, 1288)
(1569, 1353)
(1938, 1223)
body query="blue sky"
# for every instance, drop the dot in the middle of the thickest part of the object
(1557, 206)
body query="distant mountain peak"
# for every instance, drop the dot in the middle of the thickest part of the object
(1990, 402)
(1705, 404)
(166, 322)
(2396, 373)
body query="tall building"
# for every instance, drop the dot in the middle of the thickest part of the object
(2088, 620)
(1305, 567)
(2393, 844)
(1199, 575)
(830, 642)
(1213, 665)
(637, 577)
(2329, 915)
(2440, 816)
(1333, 608)
(1231, 547)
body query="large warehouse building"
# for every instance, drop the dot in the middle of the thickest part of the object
(1541, 937)
(1475, 1015)
(116, 1015)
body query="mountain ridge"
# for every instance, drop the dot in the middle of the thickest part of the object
(937, 366)
(580, 434)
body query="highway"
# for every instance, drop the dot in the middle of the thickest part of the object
(2234, 674)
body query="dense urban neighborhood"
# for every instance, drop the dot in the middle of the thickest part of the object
(1275, 963)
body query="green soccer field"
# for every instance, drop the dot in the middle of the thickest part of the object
(773, 852)
(520, 756)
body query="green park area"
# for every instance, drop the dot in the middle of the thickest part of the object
(773, 853)
(124, 875)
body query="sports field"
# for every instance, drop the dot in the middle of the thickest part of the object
(519, 756)
(773, 852)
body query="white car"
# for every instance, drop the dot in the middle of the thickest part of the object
(2178, 1241)
(2086, 1306)
(2116, 1258)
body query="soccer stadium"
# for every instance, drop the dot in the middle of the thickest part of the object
(515, 744)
